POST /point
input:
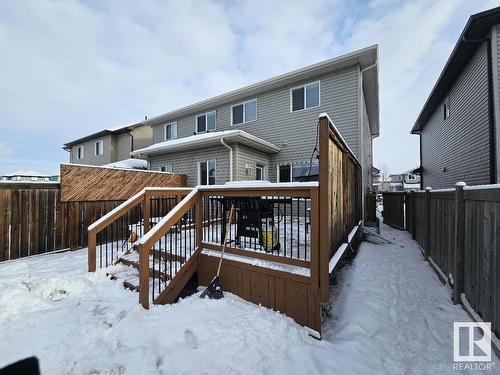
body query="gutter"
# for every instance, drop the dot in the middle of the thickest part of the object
(230, 158)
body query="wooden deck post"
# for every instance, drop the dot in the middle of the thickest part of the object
(324, 206)
(147, 212)
(315, 282)
(143, 276)
(92, 251)
(459, 243)
(427, 240)
(198, 217)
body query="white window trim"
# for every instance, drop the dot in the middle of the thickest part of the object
(206, 122)
(102, 147)
(264, 169)
(305, 98)
(446, 109)
(199, 170)
(83, 152)
(166, 165)
(243, 104)
(165, 131)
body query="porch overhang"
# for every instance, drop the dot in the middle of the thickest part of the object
(208, 140)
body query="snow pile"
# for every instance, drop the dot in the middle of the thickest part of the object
(390, 315)
(79, 323)
(129, 164)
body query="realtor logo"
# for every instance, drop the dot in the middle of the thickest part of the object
(470, 344)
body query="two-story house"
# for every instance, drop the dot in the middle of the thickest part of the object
(406, 181)
(459, 125)
(110, 145)
(268, 130)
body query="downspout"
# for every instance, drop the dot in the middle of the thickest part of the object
(230, 158)
(131, 143)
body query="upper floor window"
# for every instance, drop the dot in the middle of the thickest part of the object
(206, 122)
(206, 172)
(170, 131)
(304, 97)
(446, 109)
(244, 112)
(79, 152)
(99, 147)
(259, 172)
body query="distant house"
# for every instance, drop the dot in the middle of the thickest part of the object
(376, 179)
(29, 176)
(268, 130)
(459, 125)
(405, 181)
(109, 145)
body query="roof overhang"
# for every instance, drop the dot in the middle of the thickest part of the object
(102, 133)
(364, 58)
(473, 34)
(208, 140)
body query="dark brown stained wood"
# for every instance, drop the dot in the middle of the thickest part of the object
(50, 220)
(5, 206)
(34, 227)
(290, 294)
(42, 222)
(82, 183)
(15, 230)
(394, 209)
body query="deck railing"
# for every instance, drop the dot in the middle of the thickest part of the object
(115, 233)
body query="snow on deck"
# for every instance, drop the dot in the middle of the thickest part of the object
(390, 315)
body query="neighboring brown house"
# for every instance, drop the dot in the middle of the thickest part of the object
(109, 145)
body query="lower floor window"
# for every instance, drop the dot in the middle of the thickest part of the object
(206, 174)
(298, 172)
(167, 168)
(259, 172)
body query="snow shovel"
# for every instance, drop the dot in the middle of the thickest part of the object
(214, 289)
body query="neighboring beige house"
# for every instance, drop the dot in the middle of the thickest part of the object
(405, 181)
(109, 145)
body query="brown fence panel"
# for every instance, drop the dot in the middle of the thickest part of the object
(394, 211)
(482, 253)
(442, 229)
(34, 221)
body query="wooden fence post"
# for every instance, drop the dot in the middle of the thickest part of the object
(74, 224)
(413, 214)
(427, 241)
(459, 243)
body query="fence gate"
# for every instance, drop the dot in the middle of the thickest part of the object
(394, 209)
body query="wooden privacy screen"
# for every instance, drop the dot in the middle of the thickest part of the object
(86, 183)
(33, 220)
(340, 195)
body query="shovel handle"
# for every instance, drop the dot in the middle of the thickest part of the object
(225, 240)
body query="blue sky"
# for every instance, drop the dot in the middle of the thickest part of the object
(69, 68)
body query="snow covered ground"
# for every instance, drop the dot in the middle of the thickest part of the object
(390, 315)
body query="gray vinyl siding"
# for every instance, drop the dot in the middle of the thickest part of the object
(143, 137)
(294, 132)
(367, 150)
(247, 156)
(89, 157)
(496, 92)
(461, 142)
(187, 163)
(123, 146)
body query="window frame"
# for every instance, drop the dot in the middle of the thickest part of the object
(101, 141)
(305, 96)
(83, 152)
(278, 172)
(165, 130)
(206, 122)
(165, 166)
(243, 104)
(208, 174)
(262, 167)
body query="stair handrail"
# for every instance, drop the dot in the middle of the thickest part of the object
(146, 242)
(116, 213)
